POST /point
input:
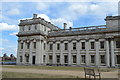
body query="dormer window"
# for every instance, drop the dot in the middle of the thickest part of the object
(44, 28)
(28, 27)
(35, 27)
(23, 28)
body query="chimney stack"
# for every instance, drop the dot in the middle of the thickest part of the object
(65, 25)
(34, 15)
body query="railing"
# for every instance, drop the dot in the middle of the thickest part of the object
(80, 29)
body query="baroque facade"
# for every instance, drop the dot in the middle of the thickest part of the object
(42, 43)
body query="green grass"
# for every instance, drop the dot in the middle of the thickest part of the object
(32, 75)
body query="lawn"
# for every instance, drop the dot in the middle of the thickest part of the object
(32, 75)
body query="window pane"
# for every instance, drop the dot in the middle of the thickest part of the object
(58, 58)
(92, 58)
(44, 58)
(51, 46)
(58, 46)
(28, 45)
(74, 46)
(102, 44)
(117, 44)
(66, 46)
(83, 45)
(44, 46)
(66, 59)
(83, 58)
(35, 27)
(74, 58)
(50, 58)
(21, 45)
(34, 44)
(118, 59)
(28, 27)
(20, 58)
(102, 59)
(92, 45)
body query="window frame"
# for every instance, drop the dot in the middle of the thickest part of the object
(66, 46)
(83, 59)
(102, 44)
(117, 44)
(51, 47)
(92, 59)
(92, 45)
(74, 59)
(82, 45)
(74, 45)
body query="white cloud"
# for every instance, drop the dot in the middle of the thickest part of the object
(1, 49)
(59, 0)
(45, 17)
(76, 10)
(60, 22)
(14, 33)
(42, 6)
(3, 40)
(7, 27)
(14, 11)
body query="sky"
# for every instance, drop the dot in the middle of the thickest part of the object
(75, 13)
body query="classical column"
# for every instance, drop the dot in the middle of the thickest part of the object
(97, 56)
(46, 53)
(38, 54)
(23, 53)
(41, 53)
(69, 53)
(54, 55)
(18, 54)
(87, 57)
(47, 49)
(112, 53)
(78, 52)
(107, 54)
(61, 53)
(30, 53)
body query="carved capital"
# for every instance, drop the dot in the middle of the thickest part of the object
(34, 40)
(69, 41)
(87, 40)
(54, 42)
(62, 41)
(96, 39)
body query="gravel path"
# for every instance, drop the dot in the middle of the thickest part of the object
(113, 74)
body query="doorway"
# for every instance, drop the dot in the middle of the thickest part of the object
(118, 59)
(33, 60)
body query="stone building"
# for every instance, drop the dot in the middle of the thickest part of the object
(42, 43)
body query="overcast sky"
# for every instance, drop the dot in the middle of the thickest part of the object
(75, 13)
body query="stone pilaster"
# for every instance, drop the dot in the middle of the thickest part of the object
(97, 56)
(54, 55)
(23, 53)
(38, 52)
(30, 53)
(107, 54)
(69, 53)
(78, 53)
(47, 55)
(61, 53)
(87, 57)
(112, 53)
(18, 54)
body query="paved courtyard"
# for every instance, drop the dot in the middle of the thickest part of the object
(112, 74)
